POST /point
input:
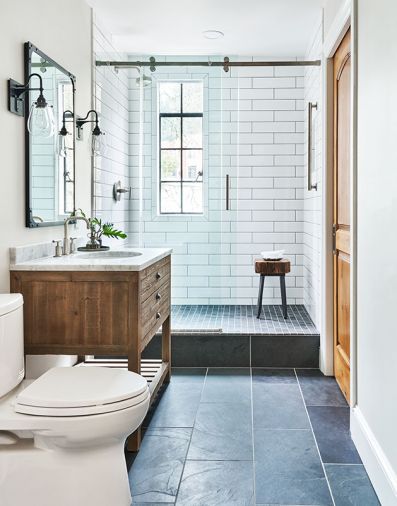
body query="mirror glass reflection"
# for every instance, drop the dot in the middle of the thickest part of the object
(51, 160)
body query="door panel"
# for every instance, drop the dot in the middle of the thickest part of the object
(341, 214)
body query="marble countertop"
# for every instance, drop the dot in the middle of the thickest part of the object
(82, 261)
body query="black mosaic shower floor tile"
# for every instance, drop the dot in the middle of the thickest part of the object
(241, 319)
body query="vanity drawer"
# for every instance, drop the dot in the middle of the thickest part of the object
(156, 299)
(155, 276)
(154, 313)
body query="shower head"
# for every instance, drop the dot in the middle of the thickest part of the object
(146, 81)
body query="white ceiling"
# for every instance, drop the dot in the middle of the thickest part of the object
(275, 28)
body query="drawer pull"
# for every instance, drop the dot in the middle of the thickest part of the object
(158, 315)
(158, 296)
(158, 275)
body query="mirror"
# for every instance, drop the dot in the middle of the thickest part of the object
(50, 172)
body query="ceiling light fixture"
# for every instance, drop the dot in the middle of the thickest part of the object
(213, 34)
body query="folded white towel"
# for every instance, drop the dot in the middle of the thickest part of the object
(273, 255)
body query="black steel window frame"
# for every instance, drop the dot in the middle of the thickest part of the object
(181, 149)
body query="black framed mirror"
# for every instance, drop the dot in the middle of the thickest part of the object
(50, 160)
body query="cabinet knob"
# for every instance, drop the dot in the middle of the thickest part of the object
(158, 296)
(158, 315)
(158, 275)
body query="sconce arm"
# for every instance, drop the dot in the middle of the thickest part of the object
(21, 89)
(81, 121)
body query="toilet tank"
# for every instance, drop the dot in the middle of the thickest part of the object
(11, 341)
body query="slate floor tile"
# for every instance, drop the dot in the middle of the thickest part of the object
(217, 484)
(227, 385)
(278, 406)
(319, 390)
(331, 428)
(274, 376)
(222, 431)
(288, 469)
(186, 375)
(152, 504)
(350, 485)
(157, 469)
(178, 405)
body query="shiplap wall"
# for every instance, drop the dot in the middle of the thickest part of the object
(111, 95)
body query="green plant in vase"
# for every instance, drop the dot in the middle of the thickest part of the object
(99, 229)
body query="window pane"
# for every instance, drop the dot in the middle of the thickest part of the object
(192, 198)
(192, 133)
(192, 165)
(170, 132)
(192, 97)
(170, 165)
(170, 97)
(170, 198)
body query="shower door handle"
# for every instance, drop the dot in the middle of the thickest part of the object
(311, 106)
(227, 192)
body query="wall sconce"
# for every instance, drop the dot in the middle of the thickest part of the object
(62, 148)
(41, 117)
(98, 141)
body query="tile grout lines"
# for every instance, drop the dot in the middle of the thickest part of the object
(315, 440)
(252, 434)
(190, 439)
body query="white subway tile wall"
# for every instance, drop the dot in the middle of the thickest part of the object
(253, 131)
(312, 212)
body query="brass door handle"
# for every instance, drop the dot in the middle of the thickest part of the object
(334, 239)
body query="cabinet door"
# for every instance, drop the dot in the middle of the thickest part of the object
(81, 314)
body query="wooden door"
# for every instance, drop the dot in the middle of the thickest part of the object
(341, 214)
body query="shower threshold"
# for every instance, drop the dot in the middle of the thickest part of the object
(232, 336)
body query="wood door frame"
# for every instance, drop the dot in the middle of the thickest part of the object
(344, 20)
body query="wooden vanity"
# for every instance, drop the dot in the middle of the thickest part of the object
(102, 313)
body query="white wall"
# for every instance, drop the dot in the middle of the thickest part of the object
(312, 237)
(375, 416)
(63, 31)
(331, 9)
(253, 130)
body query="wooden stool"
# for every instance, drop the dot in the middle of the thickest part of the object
(272, 268)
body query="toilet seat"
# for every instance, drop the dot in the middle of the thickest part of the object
(79, 391)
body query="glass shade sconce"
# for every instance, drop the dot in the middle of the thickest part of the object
(40, 121)
(98, 137)
(62, 148)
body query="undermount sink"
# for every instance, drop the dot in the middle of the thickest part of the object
(108, 254)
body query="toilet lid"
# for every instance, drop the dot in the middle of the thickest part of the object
(83, 387)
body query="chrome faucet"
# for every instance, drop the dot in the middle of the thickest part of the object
(66, 239)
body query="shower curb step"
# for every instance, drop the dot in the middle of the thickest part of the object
(239, 350)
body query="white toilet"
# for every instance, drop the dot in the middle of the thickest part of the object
(62, 435)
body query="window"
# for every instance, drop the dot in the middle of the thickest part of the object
(181, 147)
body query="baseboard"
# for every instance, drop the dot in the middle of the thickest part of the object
(378, 467)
